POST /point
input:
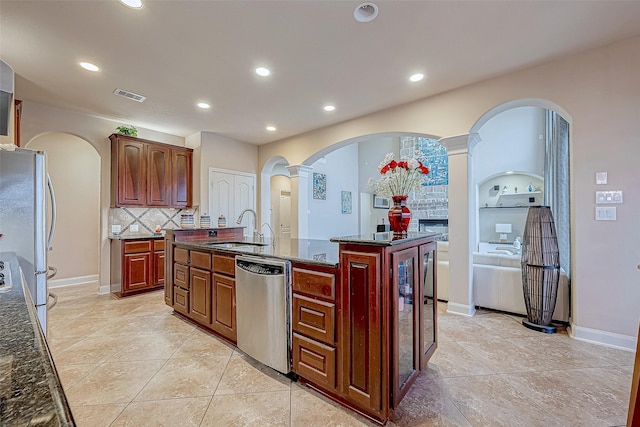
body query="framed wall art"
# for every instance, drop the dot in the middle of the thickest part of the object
(380, 202)
(319, 186)
(346, 202)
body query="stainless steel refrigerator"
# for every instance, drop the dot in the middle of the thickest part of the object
(26, 196)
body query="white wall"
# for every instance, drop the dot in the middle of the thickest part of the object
(74, 167)
(597, 92)
(511, 141)
(326, 219)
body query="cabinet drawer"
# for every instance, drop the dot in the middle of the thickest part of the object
(158, 245)
(224, 264)
(314, 361)
(314, 283)
(314, 318)
(201, 260)
(181, 276)
(137, 246)
(181, 255)
(181, 301)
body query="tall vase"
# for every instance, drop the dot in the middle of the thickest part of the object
(399, 215)
(540, 268)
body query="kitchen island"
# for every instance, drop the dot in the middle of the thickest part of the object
(30, 390)
(363, 314)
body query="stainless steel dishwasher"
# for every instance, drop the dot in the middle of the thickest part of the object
(263, 310)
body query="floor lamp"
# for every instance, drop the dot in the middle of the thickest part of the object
(540, 268)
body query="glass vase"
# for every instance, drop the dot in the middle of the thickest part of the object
(399, 215)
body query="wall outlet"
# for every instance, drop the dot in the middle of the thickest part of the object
(116, 228)
(605, 214)
(133, 228)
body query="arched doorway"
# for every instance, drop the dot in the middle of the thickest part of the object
(74, 166)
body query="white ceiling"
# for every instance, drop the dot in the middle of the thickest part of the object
(177, 53)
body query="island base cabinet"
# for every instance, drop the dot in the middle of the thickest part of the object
(224, 312)
(314, 361)
(181, 301)
(200, 295)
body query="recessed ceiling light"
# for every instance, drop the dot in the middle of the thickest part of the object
(271, 128)
(261, 71)
(416, 77)
(365, 12)
(89, 66)
(134, 4)
(203, 105)
(329, 108)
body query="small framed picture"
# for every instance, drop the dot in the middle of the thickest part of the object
(346, 202)
(319, 186)
(380, 202)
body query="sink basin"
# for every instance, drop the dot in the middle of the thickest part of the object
(233, 245)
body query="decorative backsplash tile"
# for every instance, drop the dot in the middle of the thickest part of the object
(146, 218)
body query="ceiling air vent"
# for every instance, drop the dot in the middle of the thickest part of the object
(129, 95)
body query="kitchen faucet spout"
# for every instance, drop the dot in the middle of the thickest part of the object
(256, 233)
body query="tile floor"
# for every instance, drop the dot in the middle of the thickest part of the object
(131, 362)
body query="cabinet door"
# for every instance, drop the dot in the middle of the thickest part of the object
(158, 268)
(405, 328)
(200, 295)
(429, 299)
(181, 178)
(131, 173)
(137, 271)
(224, 306)
(159, 175)
(363, 360)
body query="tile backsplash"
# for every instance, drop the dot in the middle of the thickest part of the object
(146, 218)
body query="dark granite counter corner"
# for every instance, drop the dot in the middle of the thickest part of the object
(383, 239)
(30, 391)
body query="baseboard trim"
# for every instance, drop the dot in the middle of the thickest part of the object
(72, 281)
(461, 309)
(609, 339)
(104, 289)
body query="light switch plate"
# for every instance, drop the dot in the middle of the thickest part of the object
(603, 197)
(605, 213)
(601, 178)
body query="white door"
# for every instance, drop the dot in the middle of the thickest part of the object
(284, 232)
(231, 192)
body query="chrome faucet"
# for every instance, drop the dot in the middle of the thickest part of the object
(273, 235)
(257, 236)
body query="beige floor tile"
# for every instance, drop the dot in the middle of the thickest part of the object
(170, 324)
(125, 325)
(560, 353)
(71, 374)
(56, 345)
(425, 404)
(502, 355)
(245, 375)
(202, 344)
(185, 377)
(251, 409)
(489, 400)
(113, 382)
(151, 309)
(147, 347)
(310, 409)
(164, 413)
(571, 396)
(504, 326)
(91, 350)
(452, 360)
(462, 329)
(96, 415)
(74, 328)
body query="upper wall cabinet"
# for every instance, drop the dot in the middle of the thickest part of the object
(148, 173)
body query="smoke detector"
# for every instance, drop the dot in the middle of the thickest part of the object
(365, 12)
(129, 95)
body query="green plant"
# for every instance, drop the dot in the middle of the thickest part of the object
(127, 130)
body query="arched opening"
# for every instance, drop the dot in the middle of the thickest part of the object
(522, 160)
(74, 166)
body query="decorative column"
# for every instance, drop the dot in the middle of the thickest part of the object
(299, 175)
(462, 220)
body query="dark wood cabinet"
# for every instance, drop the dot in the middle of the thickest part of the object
(148, 173)
(224, 301)
(159, 176)
(136, 265)
(200, 295)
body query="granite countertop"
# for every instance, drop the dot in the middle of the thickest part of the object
(136, 236)
(384, 239)
(308, 251)
(30, 390)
